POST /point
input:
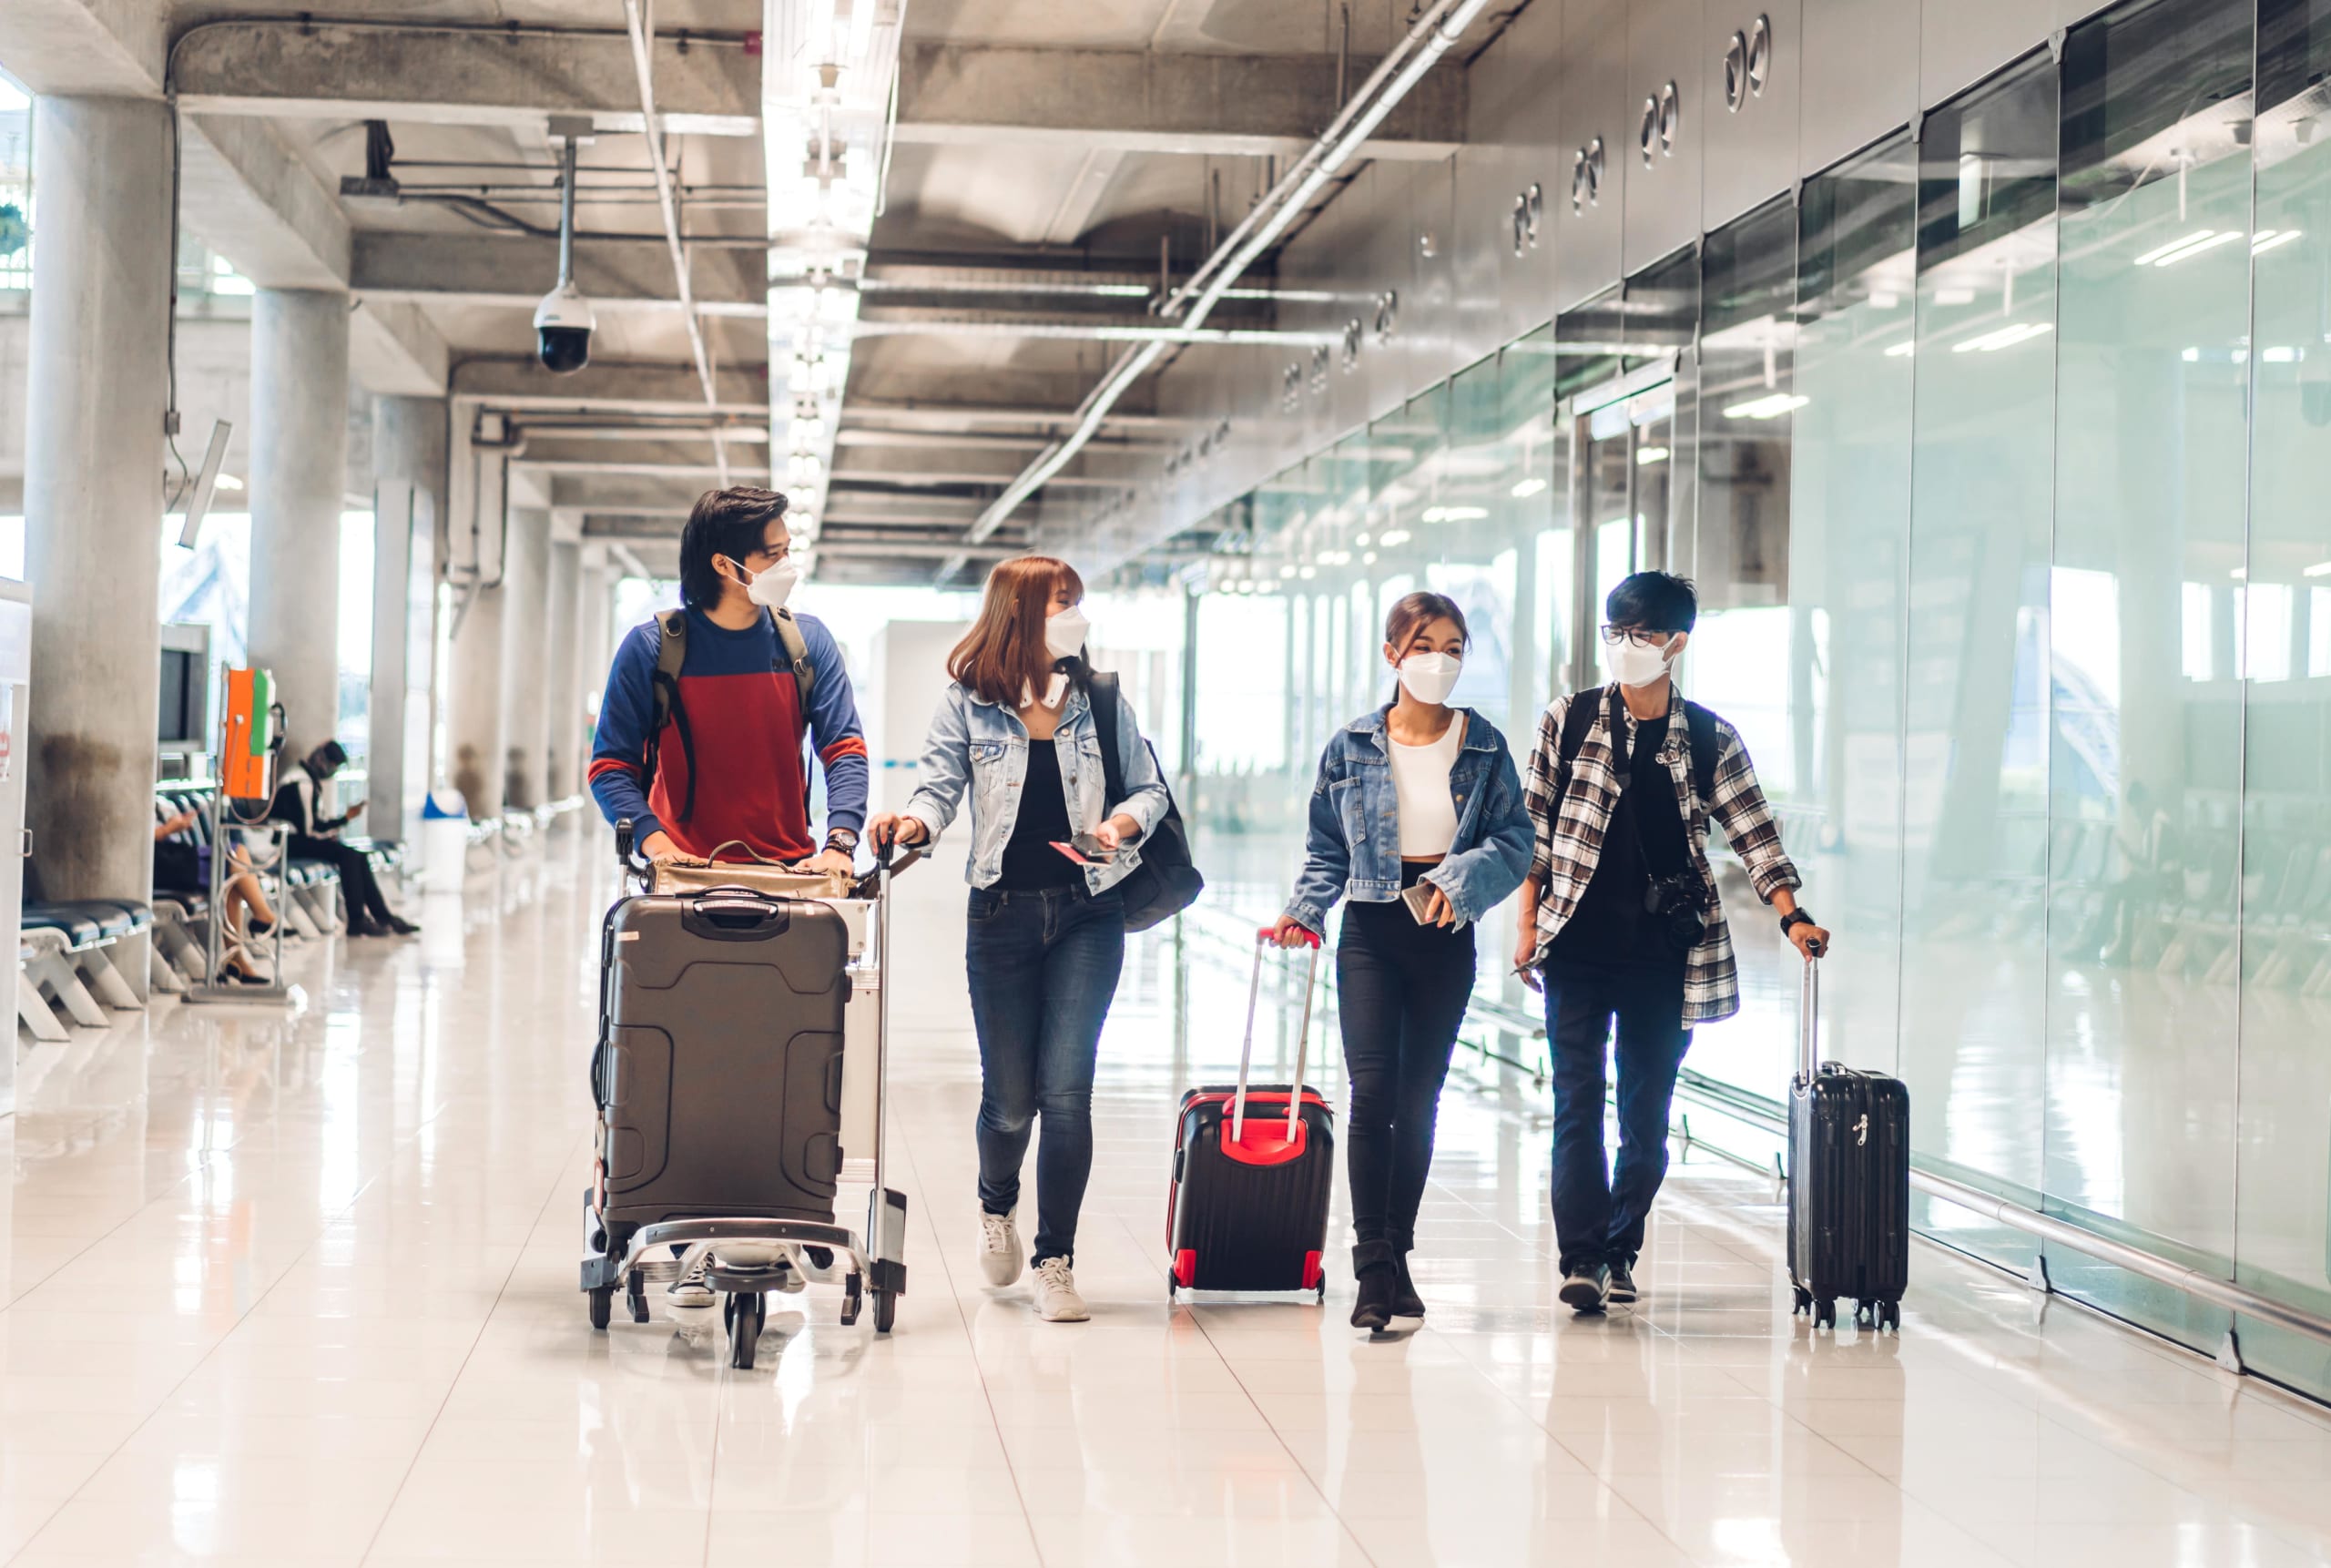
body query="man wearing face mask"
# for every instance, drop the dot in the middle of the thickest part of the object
(1621, 919)
(712, 712)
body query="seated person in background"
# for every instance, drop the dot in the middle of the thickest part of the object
(712, 712)
(317, 839)
(181, 866)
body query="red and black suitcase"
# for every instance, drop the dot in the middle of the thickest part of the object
(1248, 1206)
(1848, 1183)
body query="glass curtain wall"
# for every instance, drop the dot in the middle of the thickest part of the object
(1998, 459)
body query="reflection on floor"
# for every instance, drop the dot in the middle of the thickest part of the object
(302, 1292)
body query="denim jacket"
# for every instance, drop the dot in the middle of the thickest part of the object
(982, 746)
(1354, 847)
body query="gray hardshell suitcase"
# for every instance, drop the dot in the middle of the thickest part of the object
(720, 1072)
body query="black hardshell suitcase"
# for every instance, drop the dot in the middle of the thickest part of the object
(1249, 1206)
(720, 1069)
(1848, 1183)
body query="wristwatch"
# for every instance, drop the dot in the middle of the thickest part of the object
(842, 839)
(1794, 917)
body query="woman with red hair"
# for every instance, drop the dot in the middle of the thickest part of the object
(1016, 731)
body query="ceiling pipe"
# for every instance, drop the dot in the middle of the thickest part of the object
(643, 66)
(1391, 81)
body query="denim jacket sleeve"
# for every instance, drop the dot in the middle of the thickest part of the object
(1146, 798)
(1327, 859)
(946, 766)
(1478, 878)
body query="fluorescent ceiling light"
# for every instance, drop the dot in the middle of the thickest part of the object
(1527, 488)
(2158, 251)
(2188, 252)
(229, 482)
(2268, 238)
(1647, 455)
(2003, 338)
(1902, 351)
(2279, 356)
(1452, 514)
(1770, 406)
(1307, 573)
(2191, 356)
(1394, 536)
(2320, 569)
(2240, 574)
(1288, 571)
(1954, 296)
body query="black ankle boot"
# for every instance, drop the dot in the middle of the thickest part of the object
(1376, 1267)
(1406, 1302)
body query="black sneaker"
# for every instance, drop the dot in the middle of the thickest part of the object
(1587, 1288)
(1622, 1285)
(1405, 1303)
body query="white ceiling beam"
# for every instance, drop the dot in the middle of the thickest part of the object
(96, 49)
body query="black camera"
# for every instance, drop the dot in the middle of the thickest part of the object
(1678, 905)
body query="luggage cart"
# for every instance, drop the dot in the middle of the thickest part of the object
(748, 1259)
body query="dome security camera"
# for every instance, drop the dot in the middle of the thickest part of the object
(563, 325)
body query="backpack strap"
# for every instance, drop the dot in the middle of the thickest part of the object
(1102, 689)
(671, 653)
(1702, 724)
(796, 649)
(1578, 718)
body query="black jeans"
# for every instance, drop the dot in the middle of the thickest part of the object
(1598, 1212)
(1043, 968)
(1400, 993)
(356, 880)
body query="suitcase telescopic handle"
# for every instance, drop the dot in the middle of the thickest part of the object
(1809, 1021)
(1265, 938)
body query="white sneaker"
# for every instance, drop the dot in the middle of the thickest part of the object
(1057, 1298)
(999, 1249)
(691, 1291)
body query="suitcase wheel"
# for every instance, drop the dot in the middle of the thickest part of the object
(602, 1304)
(1825, 1312)
(745, 1311)
(1804, 1300)
(1890, 1316)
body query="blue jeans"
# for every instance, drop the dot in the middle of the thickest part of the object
(1043, 967)
(1598, 1212)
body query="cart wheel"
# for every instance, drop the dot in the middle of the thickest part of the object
(1825, 1312)
(745, 1328)
(822, 1256)
(635, 1296)
(602, 1304)
(886, 1310)
(1804, 1300)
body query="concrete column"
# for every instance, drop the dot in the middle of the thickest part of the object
(93, 494)
(526, 671)
(408, 498)
(299, 487)
(595, 632)
(565, 757)
(473, 694)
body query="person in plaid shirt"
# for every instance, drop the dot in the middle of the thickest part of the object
(1621, 918)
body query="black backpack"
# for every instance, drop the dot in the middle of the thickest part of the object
(1579, 717)
(1165, 882)
(672, 651)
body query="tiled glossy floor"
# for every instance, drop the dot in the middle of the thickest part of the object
(301, 1291)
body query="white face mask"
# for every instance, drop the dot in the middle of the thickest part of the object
(1632, 666)
(1064, 633)
(1430, 676)
(771, 589)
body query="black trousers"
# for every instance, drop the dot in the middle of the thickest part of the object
(356, 878)
(1401, 990)
(1600, 1210)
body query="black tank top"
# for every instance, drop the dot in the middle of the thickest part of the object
(1029, 861)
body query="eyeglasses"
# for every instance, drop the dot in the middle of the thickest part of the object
(1615, 635)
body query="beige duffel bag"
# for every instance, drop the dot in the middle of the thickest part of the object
(689, 875)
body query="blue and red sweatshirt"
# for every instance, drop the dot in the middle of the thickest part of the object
(745, 718)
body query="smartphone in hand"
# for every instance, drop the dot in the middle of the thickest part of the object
(1085, 850)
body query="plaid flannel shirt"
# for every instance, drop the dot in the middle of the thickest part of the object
(1568, 845)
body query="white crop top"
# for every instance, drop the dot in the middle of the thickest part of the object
(1420, 788)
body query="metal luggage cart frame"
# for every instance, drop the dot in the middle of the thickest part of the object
(781, 1254)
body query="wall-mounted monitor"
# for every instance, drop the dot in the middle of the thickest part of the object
(186, 690)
